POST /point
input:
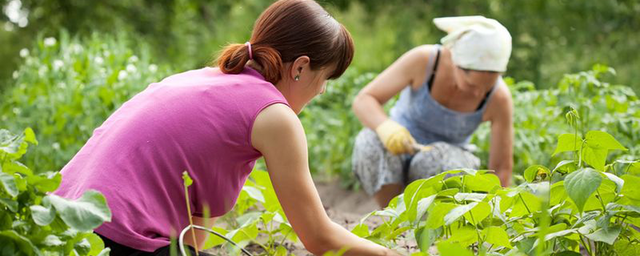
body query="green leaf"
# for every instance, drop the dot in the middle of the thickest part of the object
(457, 212)
(595, 157)
(52, 241)
(426, 237)
(537, 173)
(41, 215)
(617, 180)
(447, 248)
(565, 166)
(187, 179)
(254, 193)
(496, 236)
(361, 230)
(481, 182)
(478, 213)
(466, 235)
(97, 245)
(423, 206)
(84, 214)
(214, 240)
(600, 139)
(631, 189)
(12, 205)
(418, 190)
(608, 235)
(567, 142)
(580, 184)
(30, 136)
(435, 218)
(44, 183)
(9, 184)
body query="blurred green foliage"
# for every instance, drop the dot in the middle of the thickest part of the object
(550, 38)
(66, 88)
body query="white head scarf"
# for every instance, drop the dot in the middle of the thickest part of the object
(476, 42)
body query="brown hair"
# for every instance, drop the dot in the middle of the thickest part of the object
(287, 30)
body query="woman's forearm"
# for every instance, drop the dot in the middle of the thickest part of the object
(368, 110)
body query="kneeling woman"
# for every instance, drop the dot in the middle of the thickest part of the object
(215, 123)
(445, 93)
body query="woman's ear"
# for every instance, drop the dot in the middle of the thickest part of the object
(299, 65)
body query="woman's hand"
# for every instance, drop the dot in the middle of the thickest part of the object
(396, 138)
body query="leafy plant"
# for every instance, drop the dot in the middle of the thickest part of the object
(257, 218)
(33, 222)
(66, 87)
(555, 211)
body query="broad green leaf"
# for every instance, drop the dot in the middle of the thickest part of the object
(478, 213)
(426, 237)
(581, 184)
(254, 193)
(213, 239)
(608, 235)
(41, 215)
(448, 192)
(496, 236)
(567, 142)
(13, 167)
(481, 182)
(525, 204)
(435, 218)
(565, 165)
(423, 206)
(600, 139)
(475, 197)
(453, 249)
(9, 184)
(45, 183)
(595, 157)
(466, 235)
(84, 214)
(537, 173)
(457, 212)
(418, 190)
(631, 188)
(361, 230)
(97, 245)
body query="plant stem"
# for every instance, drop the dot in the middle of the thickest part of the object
(193, 232)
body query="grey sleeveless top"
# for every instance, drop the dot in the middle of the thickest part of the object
(428, 121)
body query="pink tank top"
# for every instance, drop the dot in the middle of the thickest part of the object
(199, 121)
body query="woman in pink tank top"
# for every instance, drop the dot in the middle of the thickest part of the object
(215, 123)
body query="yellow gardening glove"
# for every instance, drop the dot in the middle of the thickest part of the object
(395, 138)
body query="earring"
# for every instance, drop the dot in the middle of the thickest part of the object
(297, 78)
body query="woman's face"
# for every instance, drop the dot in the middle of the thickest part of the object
(476, 83)
(310, 84)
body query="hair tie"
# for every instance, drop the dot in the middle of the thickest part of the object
(250, 52)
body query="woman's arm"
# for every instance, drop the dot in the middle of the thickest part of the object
(408, 70)
(278, 134)
(501, 148)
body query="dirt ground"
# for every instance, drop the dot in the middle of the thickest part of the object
(343, 206)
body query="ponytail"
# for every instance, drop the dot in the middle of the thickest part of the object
(234, 57)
